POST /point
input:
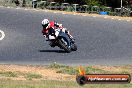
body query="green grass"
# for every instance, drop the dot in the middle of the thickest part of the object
(8, 74)
(56, 84)
(57, 66)
(91, 70)
(31, 76)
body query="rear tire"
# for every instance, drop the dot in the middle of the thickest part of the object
(74, 47)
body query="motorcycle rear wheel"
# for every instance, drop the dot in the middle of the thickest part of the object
(74, 47)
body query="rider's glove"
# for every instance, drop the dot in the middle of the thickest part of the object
(44, 36)
(60, 25)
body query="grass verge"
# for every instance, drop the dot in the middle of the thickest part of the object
(56, 84)
(56, 76)
(74, 70)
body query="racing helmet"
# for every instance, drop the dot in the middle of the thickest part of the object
(45, 23)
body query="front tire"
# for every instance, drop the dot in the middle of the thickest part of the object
(65, 47)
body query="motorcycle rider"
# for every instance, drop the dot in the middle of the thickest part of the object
(50, 28)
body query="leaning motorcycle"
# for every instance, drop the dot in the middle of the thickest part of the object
(62, 40)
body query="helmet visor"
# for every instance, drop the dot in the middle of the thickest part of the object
(45, 25)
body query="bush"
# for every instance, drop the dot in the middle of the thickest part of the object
(31, 76)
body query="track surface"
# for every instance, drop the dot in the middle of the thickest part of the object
(100, 41)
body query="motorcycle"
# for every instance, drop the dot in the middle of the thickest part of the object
(62, 40)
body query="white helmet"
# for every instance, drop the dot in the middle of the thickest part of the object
(45, 22)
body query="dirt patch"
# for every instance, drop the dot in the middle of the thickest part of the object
(116, 69)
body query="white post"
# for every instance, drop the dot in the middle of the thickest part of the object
(121, 3)
(33, 3)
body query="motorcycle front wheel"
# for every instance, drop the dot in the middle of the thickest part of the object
(64, 46)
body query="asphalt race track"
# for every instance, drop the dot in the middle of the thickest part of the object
(100, 41)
